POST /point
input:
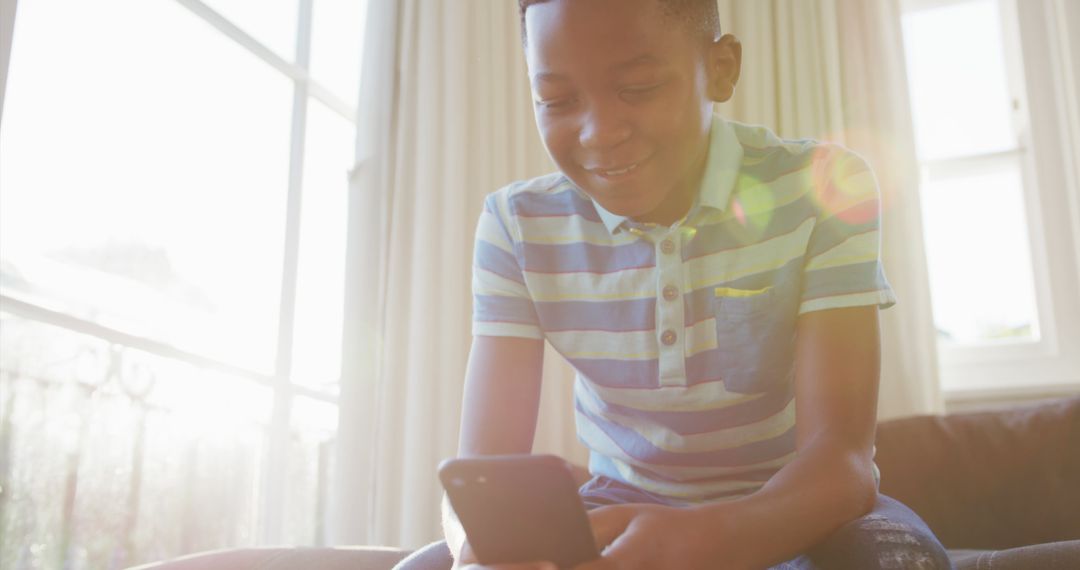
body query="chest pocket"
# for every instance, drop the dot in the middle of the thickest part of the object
(755, 336)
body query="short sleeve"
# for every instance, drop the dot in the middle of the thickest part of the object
(843, 259)
(502, 305)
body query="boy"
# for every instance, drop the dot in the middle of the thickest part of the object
(710, 283)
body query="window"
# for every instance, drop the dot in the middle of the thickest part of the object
(996, 192)
(172, 222)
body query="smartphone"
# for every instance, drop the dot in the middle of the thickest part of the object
(519, 508)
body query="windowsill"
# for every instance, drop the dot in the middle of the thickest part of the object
(967, 400)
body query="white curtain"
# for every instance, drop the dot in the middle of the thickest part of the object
(834, 70)
(446, 118)
(7, 29)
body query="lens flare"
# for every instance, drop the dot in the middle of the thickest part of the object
(753, 208)
(843, 186)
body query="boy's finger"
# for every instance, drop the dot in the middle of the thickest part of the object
(608, 523)
(515, 566)
(598, 564)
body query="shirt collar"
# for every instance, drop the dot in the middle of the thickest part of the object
(721, 172)
(611, 221)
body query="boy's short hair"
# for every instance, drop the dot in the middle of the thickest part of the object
(699, 16)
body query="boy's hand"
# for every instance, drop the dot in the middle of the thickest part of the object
(655, 536)
(640, 536)
(467, 561)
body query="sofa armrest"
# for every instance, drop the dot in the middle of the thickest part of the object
(988, 480)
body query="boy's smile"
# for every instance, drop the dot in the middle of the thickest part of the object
(623, 100)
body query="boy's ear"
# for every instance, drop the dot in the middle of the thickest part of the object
(724, 64)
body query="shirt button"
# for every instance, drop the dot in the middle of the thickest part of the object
(668, 337)
(671, 293)
(667, 246)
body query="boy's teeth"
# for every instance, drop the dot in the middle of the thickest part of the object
(619, 171)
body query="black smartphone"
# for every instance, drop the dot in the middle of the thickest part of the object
(519, 508)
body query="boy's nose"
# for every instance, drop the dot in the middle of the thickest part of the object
(601, 129)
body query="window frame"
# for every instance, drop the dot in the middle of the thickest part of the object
(1049, 365)
(273, 469)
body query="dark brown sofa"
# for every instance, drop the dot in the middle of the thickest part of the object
(1000, 489)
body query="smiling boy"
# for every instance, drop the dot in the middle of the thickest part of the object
(717, 291)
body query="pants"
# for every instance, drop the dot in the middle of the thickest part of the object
(890, 537)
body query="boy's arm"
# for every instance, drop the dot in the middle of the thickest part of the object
(829, 483)
(499, 409)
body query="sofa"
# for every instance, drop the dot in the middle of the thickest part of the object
(1001, 489)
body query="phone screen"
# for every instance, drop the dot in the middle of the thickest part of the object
(519, 508)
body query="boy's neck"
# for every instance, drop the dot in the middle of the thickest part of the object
(668, 213)
(678, 203)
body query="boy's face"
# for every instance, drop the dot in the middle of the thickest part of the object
(623, 100)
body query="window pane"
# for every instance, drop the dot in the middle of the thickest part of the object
(321, 274)
(959, 89)
(336, 42)
(41, 415)
(978, 253)
(311, 464)
(118, 457)
(271, 22)
(144, 188)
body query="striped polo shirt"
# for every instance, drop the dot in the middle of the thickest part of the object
(683, 336)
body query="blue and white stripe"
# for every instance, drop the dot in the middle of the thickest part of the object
(780, 228)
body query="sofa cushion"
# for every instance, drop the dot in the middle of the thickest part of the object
(1049, 556)
(343, 558)
(988, 480)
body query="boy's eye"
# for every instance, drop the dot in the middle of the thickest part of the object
(639, 90)
(555, 104)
